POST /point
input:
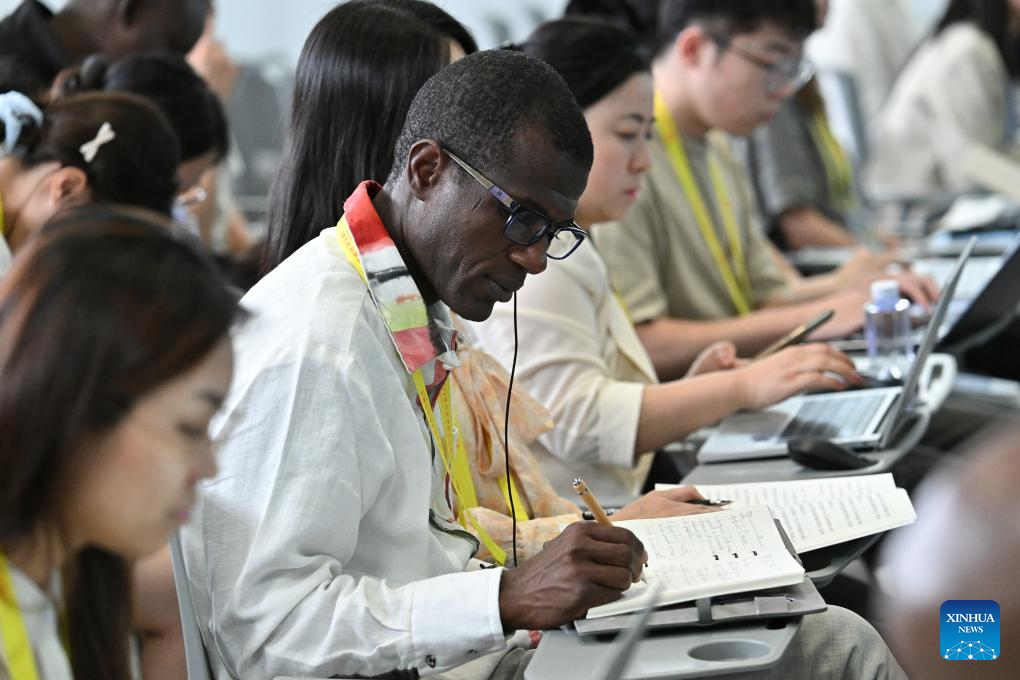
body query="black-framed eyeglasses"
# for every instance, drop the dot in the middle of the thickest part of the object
(792, 73)
(525, 226)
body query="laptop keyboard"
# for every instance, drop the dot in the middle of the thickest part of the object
(834, 417)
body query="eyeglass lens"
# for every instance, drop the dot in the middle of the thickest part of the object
(527, 226)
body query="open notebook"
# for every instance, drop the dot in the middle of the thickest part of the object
(707, 555)
(817, 513)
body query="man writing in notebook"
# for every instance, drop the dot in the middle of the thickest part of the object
(691, 261)
(327, 544)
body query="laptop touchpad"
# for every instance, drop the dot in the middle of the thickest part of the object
(760, 425)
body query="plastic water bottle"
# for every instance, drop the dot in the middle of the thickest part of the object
(888, 330)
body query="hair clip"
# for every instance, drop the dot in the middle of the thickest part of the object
(90, 149)
(15, 108)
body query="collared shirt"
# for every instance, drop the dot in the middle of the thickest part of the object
(42, 624)
(951, 96)
(581, 358)
(30, 56)
(5, 256)
(325, 544)
(657, 256)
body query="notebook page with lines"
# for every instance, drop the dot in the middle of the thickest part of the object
(817, 513)
(707, 555)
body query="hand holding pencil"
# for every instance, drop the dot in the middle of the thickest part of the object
(589, 499)
(587, 565)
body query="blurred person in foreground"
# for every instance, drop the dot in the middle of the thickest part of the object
(964, 546)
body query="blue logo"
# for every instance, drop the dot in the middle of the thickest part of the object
(969, 630)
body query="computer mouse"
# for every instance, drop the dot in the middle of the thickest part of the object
(821, 454)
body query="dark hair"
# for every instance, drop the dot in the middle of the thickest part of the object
(479, 106)
(358, 72)
(102, 307)
(992, 17)
(732, 17)
(638, 16)
(593, 57)
(138, 167)
(164, 78)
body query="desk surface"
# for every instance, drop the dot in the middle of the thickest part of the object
(683, 654)
(784, 469)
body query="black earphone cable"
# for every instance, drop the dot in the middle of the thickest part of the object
(506, 438)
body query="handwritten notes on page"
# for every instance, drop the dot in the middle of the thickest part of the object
(708, 555)
(821, 512)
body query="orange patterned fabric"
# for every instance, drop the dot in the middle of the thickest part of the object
(479, 398)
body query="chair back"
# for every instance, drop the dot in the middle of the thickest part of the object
(194, 648)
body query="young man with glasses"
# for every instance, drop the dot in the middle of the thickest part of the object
(691, 260)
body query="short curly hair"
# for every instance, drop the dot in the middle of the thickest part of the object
(478, 106)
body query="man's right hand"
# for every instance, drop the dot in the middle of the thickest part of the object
(587, 565)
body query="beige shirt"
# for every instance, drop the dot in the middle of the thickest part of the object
(580, 357)
(657, 257)
(950, 96)
(480, 386)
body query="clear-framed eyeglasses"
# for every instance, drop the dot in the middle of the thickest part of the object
(788, 74)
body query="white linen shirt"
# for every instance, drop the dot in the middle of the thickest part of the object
(579, 357)
(42, 625)
(314, 551)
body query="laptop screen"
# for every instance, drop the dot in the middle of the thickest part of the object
(931, 334)
(996, 302)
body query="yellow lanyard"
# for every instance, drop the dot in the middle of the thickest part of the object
(733, 270)
(838, 172)
(13, 636)
(456, 464)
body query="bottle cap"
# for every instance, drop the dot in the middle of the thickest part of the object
(885, 292)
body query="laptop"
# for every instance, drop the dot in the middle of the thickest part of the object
(986, 295)
(995, 305)
(858, 419)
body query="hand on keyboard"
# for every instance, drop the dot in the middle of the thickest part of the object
(792, 371)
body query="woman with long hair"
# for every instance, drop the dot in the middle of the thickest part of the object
(114, 356)
(359, 69)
